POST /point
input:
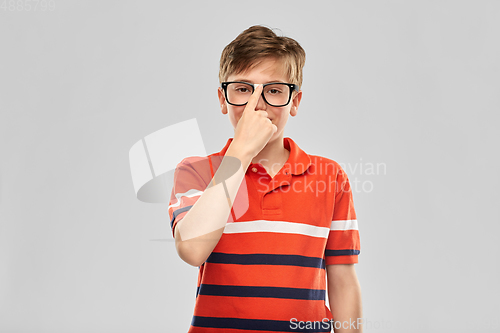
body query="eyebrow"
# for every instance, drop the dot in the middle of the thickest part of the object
(249, 81)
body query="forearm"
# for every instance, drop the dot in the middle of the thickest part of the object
(345, 305)
(197, 234)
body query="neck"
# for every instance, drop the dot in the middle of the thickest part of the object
(273, 156)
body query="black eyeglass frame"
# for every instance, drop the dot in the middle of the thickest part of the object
(292, 86)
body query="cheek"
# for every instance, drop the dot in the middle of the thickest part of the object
(283, 113)
(235, 114)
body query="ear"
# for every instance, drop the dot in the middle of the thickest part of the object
(222, 100)
(295, 103)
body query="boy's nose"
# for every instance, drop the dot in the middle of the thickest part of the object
(261, 104)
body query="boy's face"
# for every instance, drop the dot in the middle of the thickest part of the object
(269, 70)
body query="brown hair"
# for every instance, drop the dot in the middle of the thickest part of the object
(257, 43)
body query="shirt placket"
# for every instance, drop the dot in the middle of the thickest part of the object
(271, 197)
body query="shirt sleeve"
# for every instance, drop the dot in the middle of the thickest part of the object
(343, 246)
(191, 178)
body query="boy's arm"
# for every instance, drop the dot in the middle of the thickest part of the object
(199, 231)
(344, 294)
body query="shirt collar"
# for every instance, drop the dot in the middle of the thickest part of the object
(298, 161)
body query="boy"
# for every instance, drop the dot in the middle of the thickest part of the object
(264, 270)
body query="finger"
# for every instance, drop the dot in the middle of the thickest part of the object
(254, 98)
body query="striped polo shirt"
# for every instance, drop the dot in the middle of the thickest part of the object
(268, 268)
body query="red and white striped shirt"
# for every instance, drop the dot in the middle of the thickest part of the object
(268, 267)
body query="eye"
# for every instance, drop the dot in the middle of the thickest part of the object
(274, 91)
(241, 88)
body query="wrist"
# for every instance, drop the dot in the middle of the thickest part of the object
(244, 158)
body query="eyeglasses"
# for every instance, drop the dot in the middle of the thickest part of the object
(275, 94)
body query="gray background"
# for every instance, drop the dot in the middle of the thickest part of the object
(410, 85)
